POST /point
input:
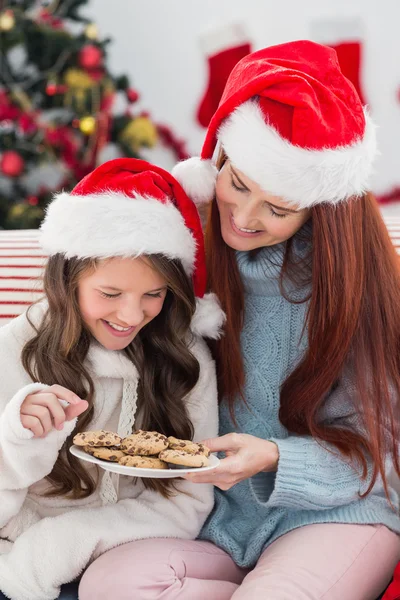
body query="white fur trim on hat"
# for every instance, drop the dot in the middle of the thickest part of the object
(209, 317)
(301, 176)
(197, 177)
(112, 224)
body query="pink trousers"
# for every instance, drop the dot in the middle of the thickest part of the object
(315, 562)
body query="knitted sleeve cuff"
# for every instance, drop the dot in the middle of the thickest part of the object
(309, 477)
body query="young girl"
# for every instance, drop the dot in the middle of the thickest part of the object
(309, 366)
(115, 345)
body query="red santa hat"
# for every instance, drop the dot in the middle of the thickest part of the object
(128, 208)
(291, 122)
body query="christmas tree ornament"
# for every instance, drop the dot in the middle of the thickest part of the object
(91, 31)
(87, 125)
(7, 20)
(11, 163)
(27, 123)
(46, 17)
(139, 132)
(76, 78)
(51, 88)
(224, 47)
(90, 57)
(24, 216)
(132, 95)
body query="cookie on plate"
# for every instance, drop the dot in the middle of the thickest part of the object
(97, 438)
(144, 443)
(188, 446)
(143, 462)
(110, 453)
(177, 457)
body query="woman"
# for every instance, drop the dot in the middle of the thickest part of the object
(309, 367)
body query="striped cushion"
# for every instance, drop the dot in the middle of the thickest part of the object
(22, 260)
(21, 265)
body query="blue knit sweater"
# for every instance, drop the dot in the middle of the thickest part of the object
(311, 484)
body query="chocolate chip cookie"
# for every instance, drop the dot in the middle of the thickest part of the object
(144, 443)
(177, 457)
(110, 453)
(97, 438)
(188, 446)
(143, 462)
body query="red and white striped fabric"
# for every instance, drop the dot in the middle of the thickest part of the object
(393, 225)
(21, 267)
(22, 261)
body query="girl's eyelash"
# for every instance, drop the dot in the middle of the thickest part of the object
(105, 295)
(109, 295)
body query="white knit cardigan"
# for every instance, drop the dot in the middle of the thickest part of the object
(46, 542)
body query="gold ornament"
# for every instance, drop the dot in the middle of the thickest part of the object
(7, 20)
(79, 85)
(139, 132)
(75, 78)
(91, 31)
(87, 125)
(24, 213)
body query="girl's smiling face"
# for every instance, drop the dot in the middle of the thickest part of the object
(251, 218)
(118, 298)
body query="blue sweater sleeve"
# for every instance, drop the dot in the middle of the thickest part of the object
(313, 475)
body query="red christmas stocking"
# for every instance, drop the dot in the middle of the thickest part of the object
(345, 36)
(224, 47)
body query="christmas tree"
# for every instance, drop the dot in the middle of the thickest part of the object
(56, 101)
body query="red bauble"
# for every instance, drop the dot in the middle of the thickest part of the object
(90, 57)
(11, 164)
(51, 89)
(33, 200)
(132, 95)
(27, 123)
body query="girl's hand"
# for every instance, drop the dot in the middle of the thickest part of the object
(42, 411)
(246, 456)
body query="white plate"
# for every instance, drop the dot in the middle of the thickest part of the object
(139, 472)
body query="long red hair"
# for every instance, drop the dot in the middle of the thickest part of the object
(353, 318)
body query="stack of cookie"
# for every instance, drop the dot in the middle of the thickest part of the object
(143, 449)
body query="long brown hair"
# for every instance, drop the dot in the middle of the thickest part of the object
(353, 317)
(160, 352)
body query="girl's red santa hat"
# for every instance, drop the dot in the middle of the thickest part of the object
(291, 122)
(129, 208)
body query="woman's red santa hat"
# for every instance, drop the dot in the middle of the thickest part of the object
(129, 208)
(291, 122)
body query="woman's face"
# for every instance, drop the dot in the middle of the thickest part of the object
(251, 218)
(119, 298)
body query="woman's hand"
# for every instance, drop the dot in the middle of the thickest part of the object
(246, 455)
(41, 412)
